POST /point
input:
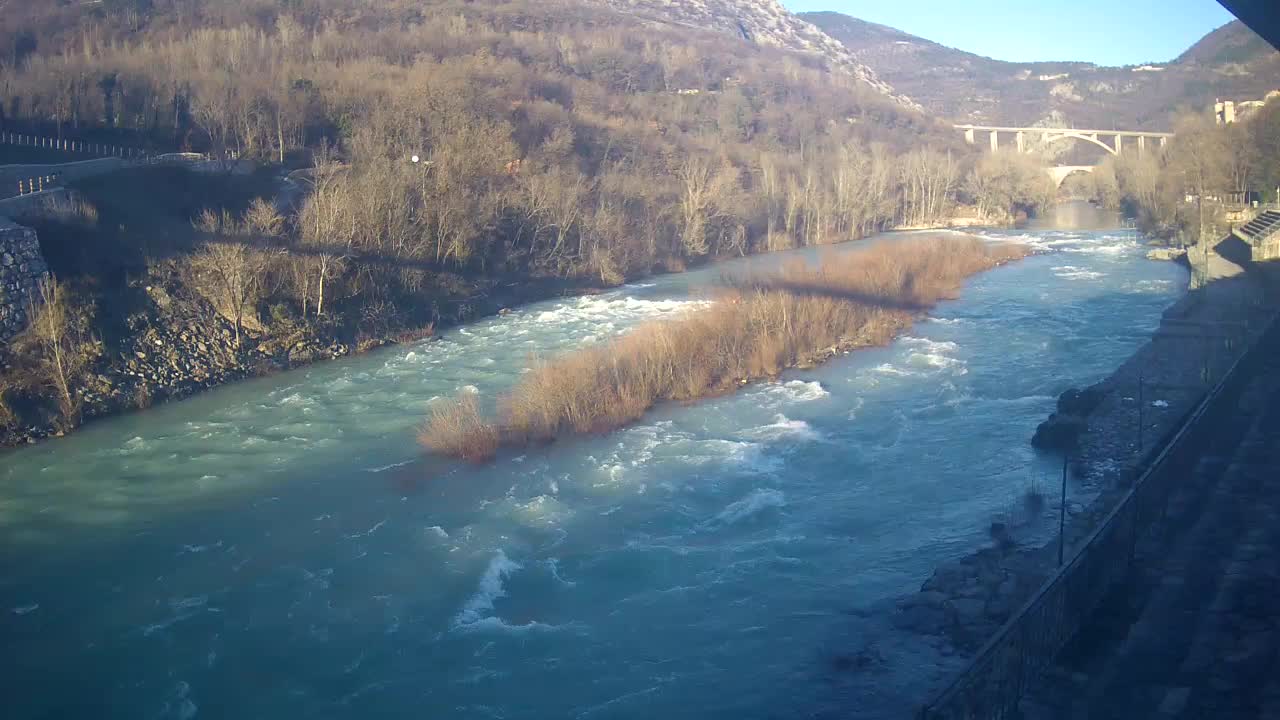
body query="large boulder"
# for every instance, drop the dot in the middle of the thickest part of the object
(1062, 430)
(1059, 432)
(1080, 402)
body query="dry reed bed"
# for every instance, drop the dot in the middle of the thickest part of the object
(754, 330)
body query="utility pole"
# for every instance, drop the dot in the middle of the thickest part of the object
(1062, 513)
(1141, 409)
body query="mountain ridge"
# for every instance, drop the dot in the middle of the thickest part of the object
(1231, 62)
(762, 22)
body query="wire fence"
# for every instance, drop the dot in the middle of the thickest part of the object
(123, 152)
(993, 683)
(15, 182)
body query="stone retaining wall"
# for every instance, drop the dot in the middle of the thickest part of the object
(21, 267)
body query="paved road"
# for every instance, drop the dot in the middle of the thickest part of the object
(1197, 633)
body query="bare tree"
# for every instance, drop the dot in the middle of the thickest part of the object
(228, 272)
(58, 344)
(325, 233)
(703, 187)
(1004, 182)
(928, 184)
(1199, 155)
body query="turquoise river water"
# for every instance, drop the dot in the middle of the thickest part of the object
(280, 548)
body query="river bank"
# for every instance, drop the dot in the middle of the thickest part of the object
(698, 564)
(167, 346)
(1107, 431)
(172, 349)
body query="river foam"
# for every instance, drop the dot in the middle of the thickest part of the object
(479, 607)
(757, 502)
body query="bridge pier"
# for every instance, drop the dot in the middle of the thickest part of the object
(1142, 144)
(969, 137)
(995, 140)
(1119, 144)
(1022, 141)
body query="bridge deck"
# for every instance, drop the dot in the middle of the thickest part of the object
(1074, 131)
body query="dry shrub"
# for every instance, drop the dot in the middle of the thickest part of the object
(415, 334)
(799, 316)
(69, 207)
(8, 416)
(457, 429)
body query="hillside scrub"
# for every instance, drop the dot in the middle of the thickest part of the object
(556, 139)
(561, 146)
(753, 330)
(1222, 164)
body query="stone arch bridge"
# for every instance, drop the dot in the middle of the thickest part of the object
(1113, 141)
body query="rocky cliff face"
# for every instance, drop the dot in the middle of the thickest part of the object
(762, 22)
(21, 267)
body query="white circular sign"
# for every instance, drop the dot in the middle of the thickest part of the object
(414, 158)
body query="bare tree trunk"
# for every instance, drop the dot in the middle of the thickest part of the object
(280, 135)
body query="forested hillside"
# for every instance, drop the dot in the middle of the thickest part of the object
(516, 107)
(557, 141)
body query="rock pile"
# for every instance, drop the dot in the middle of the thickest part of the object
(967, 600)
(1062, 430)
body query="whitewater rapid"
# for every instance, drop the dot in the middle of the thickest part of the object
(279, 548)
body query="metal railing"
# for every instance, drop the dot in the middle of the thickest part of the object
(22, 180)
(124, 152)
(994, 681)
(73, 146)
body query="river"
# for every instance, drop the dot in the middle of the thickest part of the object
(279, 548)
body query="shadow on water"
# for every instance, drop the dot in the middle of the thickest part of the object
(1076, 215)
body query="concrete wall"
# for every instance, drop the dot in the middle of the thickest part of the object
(29, 204)
(21, 267)
(1267, 250)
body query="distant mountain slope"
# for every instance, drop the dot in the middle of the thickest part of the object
(764, 22)
(1232, 43)
(1232, 62)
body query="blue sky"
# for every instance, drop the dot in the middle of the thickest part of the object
(1106, 32)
